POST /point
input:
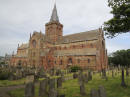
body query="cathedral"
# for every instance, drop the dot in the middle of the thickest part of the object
(53, 50)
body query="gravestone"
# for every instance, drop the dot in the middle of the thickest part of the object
(58, 72)
(59, 82)
(30, 78)
(89, 76)
(52, 90)
(94, 93)
(85, 78)
(81, 83)
(82, 89)
(102, 92)
(29, 90)
(43, 88)
(61, 96)
(75, 75)
(62, 76)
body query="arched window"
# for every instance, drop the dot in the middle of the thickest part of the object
(19, 63)
(88, 60)
(34, 43)
(61, 62)
(70, 61)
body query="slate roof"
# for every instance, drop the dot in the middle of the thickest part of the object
(83, 36)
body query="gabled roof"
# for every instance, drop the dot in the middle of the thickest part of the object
(83, 36)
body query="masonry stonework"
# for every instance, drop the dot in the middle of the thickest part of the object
(53, 50)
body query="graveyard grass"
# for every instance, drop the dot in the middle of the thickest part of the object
(71, 87)
(4, 83)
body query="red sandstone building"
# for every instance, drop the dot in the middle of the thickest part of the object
(53, 50)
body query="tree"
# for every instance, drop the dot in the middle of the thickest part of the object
(120, 23)
(121, 57)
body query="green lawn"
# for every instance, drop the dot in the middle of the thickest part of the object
(71, 87)
(4, 83)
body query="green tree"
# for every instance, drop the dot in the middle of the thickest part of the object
(122, 58)
(120, 23)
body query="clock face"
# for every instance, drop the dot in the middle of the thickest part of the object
(34, 43)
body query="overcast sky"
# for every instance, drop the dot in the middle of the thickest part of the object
(19, 18)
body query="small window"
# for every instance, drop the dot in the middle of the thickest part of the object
(34, 43)
(61, 62)
(88, 60)
(82, 46)
(70, 60)
(55, 62)
(49, 62)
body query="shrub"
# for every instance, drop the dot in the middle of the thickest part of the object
(4, 75)
(75, 68)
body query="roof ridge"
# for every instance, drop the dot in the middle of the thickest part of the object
(81, 32)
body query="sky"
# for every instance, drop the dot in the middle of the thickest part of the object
(19, 18)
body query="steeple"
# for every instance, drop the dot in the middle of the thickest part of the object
(54, 16)
(54, 29)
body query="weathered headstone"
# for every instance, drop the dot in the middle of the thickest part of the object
(43, 88)
(75, 75)
(59, 82)
(52, 90)
(58, 72)
(102, 92)
(29, 90)
(82, 89)
(62, 76)
(94, 93)
(89, 76)
(81, 83)
(85, 78)
(30, 78)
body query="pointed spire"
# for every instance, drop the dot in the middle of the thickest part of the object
(54, 16)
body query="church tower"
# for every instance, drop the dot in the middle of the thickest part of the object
(54, 29)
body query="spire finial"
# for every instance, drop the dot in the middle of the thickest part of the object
(54, 16)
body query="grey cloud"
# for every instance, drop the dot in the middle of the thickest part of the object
(19, 18)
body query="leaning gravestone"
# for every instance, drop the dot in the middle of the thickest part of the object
(43, 88)
(94, 93)
(52, 90)
(102, 92)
